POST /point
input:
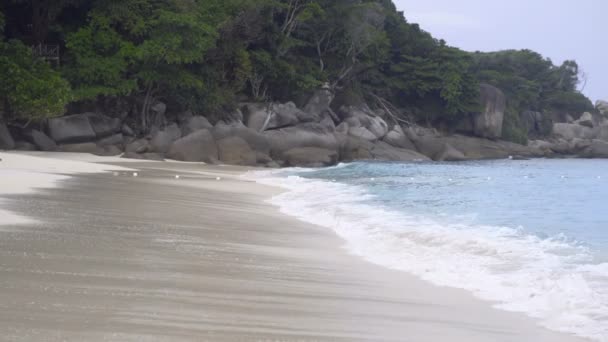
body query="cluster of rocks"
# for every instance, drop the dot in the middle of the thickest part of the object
(585, 137)
(276, 135)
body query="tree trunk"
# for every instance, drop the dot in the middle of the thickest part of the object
(40, 20)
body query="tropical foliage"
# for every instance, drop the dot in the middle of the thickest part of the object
(206, 54)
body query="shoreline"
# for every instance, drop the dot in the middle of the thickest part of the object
(197, 258)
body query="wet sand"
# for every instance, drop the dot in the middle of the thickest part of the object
(112, 257)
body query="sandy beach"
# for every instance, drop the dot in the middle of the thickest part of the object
(89, 252)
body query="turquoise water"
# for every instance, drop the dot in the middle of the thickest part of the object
(529, 236)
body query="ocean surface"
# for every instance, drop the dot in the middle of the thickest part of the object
(528, 236)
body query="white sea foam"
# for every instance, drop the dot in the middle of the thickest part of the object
(549, 279)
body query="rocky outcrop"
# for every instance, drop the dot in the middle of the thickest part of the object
(193, 124)
(6, 139)
(450, 153)
(303, 135)
(385, 152)
(602, 107)
(25, 146)
(571, 131)
(116, 140)
(310, 157)
(261, 117)
(360, 149)
(126, 130)
(40, 140)
(138, 146)
(319, 105)
(199, 146)
(258, 142)
(586, 120)
(161, 141)
(71, 129)
(102, 125)
(284, 135)
(236, 151)
(488, 123)
(363, 124)
(397, 138)
(596, 149)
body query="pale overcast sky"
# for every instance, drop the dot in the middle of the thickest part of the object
(558, 29)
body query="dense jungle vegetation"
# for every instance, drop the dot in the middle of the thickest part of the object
(207, 55)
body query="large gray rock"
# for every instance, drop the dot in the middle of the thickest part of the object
(258, 142)
(196, 147)
(586, 120)
(40, 140)
(433, 145)
(450, 153)
(361, 116)
(138, 146)
(159, 109)
(102, 125)
(127, 131)
(602, 107)
(261, 117)
(488, 123)
(602, 130)
(161, 141)
(397, 138)
(361, 133)
(597, 149)
(88, 147)
(143, 156)
(573, 131)
(361, 149)
(319, 104)
(25, 146)
(71, 129)
(6, 139)
(236, 151)
(303, 135)
(310, 157)
(193, 124)
(542, 145)
(386, 152)
(116, 140)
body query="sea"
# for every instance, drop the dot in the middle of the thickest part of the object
(527, 236)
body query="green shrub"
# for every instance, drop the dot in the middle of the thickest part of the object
(29, 88)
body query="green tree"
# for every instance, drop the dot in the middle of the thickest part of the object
(29, 88)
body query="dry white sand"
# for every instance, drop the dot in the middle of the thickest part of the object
(110, 257)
